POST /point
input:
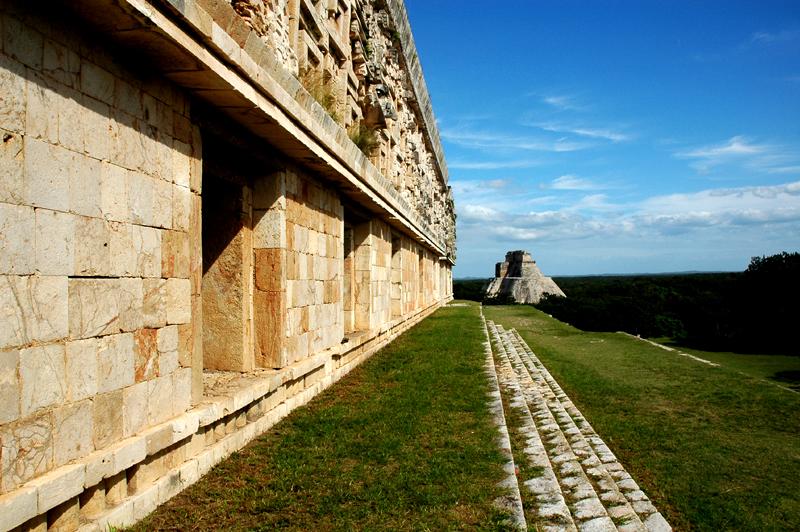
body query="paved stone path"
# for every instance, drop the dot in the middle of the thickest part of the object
(572, 480)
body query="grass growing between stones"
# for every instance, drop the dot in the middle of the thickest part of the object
(714, 448)
(405, 441)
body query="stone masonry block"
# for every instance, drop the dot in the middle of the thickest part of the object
(41, 114)
(72, 431)
(97, 125)
(146, 359)
(181, 163)
(70, 118)
(128, 453)
(134, 408)
(178, 301)
(18, 507)
(81, 367)
(61, 64)
(182, 390)
(27, 450)
(141, 189)
(13, 100)
(175, 254)
(159, 400)
(97, 82)
(115, 362)
(163, 205)
(32, 309)
(9, 386)
(92, 250)
(269, 229)
(11, 163)
(93, 307)
(85, 189)
(16, 239)
(181, 208)
(55, 242)
(107, 414)
(154, 307)
(270, 268)
(114, 192)
(43, 381)
(131, 302)
(59, 486)
(147, 242)
(46, 174)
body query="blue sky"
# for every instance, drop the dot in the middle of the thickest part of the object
(617, 136)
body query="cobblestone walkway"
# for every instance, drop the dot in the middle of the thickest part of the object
(571, 479)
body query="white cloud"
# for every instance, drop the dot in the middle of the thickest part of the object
(766, 37)
(563, 102)
(726, 211)
(590, 132)
(491, 165)
(493, 141)
(737, 148)
(571, 182)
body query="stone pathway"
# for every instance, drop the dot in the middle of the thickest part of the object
(571, 479)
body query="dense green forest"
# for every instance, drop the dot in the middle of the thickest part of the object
(754, 310)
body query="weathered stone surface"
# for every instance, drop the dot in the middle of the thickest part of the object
(73, 426)
(134, 408)
(107, 416)
(92, 250)
(17, 507)
(13, 101)
(47, 173)
(11, 162)
(27, 450)
(178, 301)
(81, 369)
(154, 308)
(55, 242)
(59, 486)
(16, 239)
(146, 361)
(9, 386)
(93, 307)
(519, 279)
(43, 377)
(115, 362)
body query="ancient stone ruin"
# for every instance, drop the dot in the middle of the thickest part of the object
(520, 279)
(210, 211)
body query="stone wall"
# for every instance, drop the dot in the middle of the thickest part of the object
(176, 271)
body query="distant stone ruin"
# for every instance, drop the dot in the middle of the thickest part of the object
(520, 279)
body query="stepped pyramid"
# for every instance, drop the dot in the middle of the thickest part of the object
(521, 279)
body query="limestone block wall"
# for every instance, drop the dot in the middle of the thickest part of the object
(98, 182)
(315, 320)
(164, 300)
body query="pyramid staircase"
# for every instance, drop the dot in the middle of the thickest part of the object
(569, 479)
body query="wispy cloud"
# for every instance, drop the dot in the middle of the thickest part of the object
(571, 182)
(735, 148)
(590, 132)
(563, 102)
(767, 37)
(494, 141)
(491, 165)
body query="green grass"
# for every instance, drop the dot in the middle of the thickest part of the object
(783, 370)
(404, 442)
(714, 448)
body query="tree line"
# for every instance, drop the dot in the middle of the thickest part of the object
(751, 311)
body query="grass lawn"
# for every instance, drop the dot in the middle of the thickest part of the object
(403, 442)
(714, 448)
